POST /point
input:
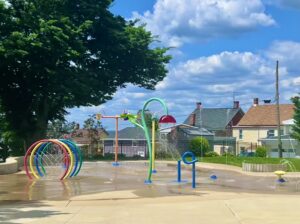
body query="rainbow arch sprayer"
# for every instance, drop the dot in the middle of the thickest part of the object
(53, 157)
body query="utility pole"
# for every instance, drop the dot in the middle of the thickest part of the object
(278, 113)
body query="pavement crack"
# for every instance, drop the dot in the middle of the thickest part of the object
(233, 213)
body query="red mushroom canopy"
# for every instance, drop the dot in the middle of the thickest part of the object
(167, 119)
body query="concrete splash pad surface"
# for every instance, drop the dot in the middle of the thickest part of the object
(97, 177)
(106, 194)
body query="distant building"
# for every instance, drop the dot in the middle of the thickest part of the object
(290, 146)
(260, 122)
(89, 140)
(131, 142)
(216, 120)
(220, 122)
(179, 136)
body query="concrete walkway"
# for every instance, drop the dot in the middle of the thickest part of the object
(205, 207)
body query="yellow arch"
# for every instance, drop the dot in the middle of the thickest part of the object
(54, 140)
(31, 160)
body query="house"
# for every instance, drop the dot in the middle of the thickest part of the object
(219, 121)
(290, 146)
(89, 140)
(179, 136)
(260, 122)
(132, 142)
(216, 120)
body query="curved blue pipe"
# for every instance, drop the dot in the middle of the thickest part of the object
(74, 150)
(36, 158)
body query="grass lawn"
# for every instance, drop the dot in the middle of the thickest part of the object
(237, 161)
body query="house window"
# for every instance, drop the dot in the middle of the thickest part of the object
(270, 133)
(241, 134)
(134, 143)
(281, 132)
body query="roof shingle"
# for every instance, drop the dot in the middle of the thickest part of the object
(214, 119)
(265, 115)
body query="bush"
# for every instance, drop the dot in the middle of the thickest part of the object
(261, 151)
(211, 154)
(199, 146)
(137, 157)
(228, 154)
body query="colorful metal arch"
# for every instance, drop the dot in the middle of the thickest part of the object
(35, 153)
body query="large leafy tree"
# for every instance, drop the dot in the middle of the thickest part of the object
(59, 54)
(296, 126)
(59, 128)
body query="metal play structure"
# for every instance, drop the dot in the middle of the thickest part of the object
(151, 145)
(100, 116)
(52, 158)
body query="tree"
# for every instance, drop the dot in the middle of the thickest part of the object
(56, 55)
(296, 126)
(94, 128)
(92, 123)
(59, 128)
(148, 119)
(199, 146)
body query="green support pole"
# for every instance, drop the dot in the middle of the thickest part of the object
(147, 133)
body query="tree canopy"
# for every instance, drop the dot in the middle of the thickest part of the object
(59, 54)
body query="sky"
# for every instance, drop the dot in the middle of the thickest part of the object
(223, 50)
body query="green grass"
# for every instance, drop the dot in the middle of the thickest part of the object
(237, 161)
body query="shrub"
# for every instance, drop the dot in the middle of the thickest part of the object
(261, 151)
(211, 154)
(228, 154)
(137, 157)
(199, 146)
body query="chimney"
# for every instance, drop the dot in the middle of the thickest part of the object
(199, 105)
(193, 119)
(267, 101)
(255, 102)
(236, 104)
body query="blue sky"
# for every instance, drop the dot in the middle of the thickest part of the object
(223, 50)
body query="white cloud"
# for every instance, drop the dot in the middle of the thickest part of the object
(214, 80)
(138, 95)
(287, 52)
(292, 4)
(182, 21)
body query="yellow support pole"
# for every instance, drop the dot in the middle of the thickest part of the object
(153, 146)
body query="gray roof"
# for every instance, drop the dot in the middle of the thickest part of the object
(213, 119)
(134, 133)
(197, 131)
(188, 129)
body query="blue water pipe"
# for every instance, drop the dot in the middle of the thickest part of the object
(115, 164)
(189, 162)
(179, 171)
